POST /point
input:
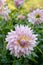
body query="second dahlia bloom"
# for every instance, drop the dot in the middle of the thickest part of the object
(18, 2)
(36, 16)
(21, 41)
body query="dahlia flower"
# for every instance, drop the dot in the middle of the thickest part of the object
(36, 16)
(22, 41)
(18, 2)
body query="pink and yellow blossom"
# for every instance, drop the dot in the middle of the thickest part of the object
(22, 41)
(36, 16)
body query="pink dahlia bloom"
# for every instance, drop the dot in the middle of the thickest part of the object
(18, 2)
(21, 41)
(36, 16)
(22, 17)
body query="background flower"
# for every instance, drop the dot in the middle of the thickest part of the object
(2, 2)
(4, 10)
(18, 2)
(22, 17)
(36, 16)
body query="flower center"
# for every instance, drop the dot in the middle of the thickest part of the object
(38, 16)
(23, 41)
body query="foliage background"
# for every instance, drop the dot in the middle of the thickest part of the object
(36, 58)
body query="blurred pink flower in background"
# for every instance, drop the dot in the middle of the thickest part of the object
(21, 41)
(31, 9)
(4, 10)
(36, 16)
(2, 2)
(22, 17)
(18, 2)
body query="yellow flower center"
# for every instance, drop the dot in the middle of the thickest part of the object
(23, 41)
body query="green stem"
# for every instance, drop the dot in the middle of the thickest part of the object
(39, 50)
